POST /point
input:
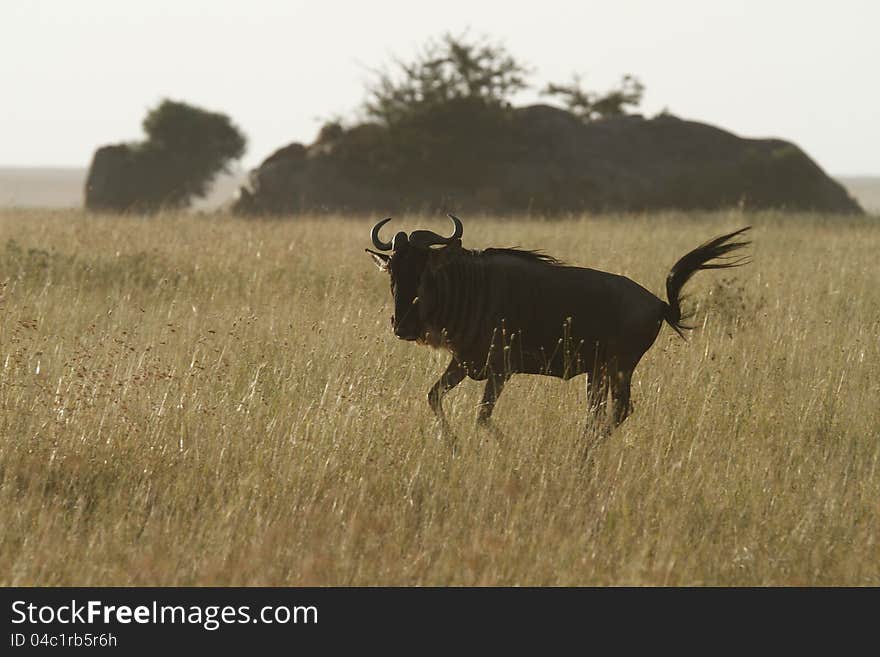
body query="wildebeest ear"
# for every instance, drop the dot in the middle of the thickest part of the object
(380, 259)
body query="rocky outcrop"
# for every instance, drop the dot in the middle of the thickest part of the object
(540, 159)
(185, 149)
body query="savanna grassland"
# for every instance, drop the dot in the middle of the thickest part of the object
(214, 401)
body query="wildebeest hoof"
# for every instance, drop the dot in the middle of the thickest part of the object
(448, 437)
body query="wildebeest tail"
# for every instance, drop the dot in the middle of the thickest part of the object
(714, 254)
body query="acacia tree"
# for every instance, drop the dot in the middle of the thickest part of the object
(591, 106)
(445, 114)
(449, 69)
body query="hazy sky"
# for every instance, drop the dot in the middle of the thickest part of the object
(76, 74)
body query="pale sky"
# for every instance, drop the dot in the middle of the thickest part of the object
(77, 74)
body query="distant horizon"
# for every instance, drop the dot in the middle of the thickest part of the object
(58, 187)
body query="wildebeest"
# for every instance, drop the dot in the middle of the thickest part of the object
(502, 311)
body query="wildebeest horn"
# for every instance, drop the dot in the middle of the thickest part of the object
(374, 234)
(459, 229)
(425, 238)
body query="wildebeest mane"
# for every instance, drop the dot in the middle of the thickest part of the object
(525, 254)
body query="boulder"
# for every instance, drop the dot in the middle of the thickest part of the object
(111, 182)
(132, 178)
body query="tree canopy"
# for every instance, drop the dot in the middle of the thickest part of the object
(452, 68)
(591, 106)
(447, 70)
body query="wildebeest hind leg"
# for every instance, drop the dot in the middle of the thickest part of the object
(620, 394)
(453, 375)
(596, 427)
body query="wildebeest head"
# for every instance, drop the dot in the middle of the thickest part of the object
(410, 255)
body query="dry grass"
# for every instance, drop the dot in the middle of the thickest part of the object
(199, 401)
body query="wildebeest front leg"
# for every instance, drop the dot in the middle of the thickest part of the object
(453, 375)
(491, 393)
